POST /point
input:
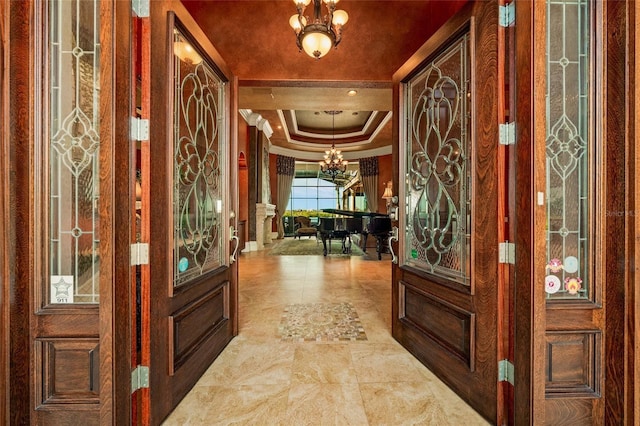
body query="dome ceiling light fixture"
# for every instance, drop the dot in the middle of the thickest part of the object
(316, 37)
(333, 164)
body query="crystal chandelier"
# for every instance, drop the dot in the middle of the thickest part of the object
(333, 164)
(323, 32)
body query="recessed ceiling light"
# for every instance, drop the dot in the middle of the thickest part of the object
(352, 92)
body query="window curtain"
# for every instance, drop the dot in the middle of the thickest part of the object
(285, 171)
(369, 174)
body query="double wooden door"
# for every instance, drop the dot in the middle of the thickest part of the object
(84, 312)
(188, 288)
(446, 300)
(550, 320)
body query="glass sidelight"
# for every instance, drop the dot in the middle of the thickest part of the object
(569, 152)
(74, 70)
(438, 167)
(199, 155)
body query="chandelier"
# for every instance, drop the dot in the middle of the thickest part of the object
(333, 164)
(323, 32)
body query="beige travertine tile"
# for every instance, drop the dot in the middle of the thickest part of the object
(325, 404)
(402, 403)
(248, 363)
(260, 380)
(329, 363)
(222, 405)
(383, 362)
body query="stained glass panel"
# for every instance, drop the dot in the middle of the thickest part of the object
(567, 149)
(438, 180)
(199, 146)
(74, 64)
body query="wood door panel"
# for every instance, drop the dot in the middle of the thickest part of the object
(61, 417)
(448, 325)
(195, 323)
(70, 370)
(56, 323)
(569, 412)
(573, 364)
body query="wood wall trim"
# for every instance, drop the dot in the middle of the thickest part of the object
(616, 200)
(538, 185)
(5, 214)
(633, 368)
(19, 101)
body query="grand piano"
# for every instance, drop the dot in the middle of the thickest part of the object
(354, 222)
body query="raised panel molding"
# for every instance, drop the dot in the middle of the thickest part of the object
(191, 326)
(450, 326)
(68, 370)
(573, 364)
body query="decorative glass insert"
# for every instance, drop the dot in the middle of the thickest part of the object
(567, 149)
(438, 179)
(74, 64)
(199, 146)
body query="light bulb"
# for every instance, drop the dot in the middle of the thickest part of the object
(340, 17)
(294, 21)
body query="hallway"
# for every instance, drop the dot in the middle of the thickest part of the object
(261, 379)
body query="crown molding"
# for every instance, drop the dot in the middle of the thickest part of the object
(255, 119)
(351, 156)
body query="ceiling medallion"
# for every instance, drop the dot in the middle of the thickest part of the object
(316, 37)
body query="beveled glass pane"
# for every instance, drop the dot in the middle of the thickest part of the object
(568, 148)
(438, 154)
(199, 146)
(74, 71)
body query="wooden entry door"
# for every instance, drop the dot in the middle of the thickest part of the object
(446, 296)
(69, 99)
(581, 190)
(192, 295)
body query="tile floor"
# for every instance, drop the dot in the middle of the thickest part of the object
(261, 380)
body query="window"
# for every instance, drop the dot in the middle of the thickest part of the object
(311, 193)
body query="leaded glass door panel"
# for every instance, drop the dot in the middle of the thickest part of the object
(446, 288)
(193, 276)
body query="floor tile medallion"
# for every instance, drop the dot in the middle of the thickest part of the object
(321, 322)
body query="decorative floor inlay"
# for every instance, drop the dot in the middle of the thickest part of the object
(321, 322)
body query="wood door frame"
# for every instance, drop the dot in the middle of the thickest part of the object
(527, 395)
(115, 282)
(6, 258)
(18, 139)
(633, 367)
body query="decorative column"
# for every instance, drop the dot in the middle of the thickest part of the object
(261, 211)
(264, 216)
